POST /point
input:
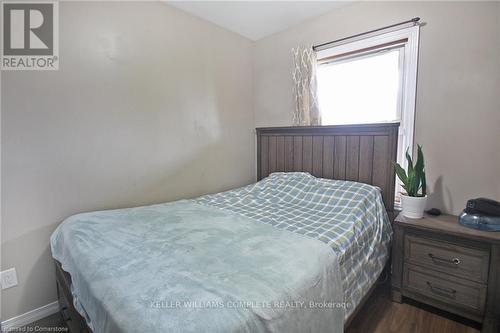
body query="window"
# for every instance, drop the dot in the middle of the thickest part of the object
(375, 77)
(371, 80)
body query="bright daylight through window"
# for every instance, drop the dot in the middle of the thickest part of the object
(360, 90)
(371, 80)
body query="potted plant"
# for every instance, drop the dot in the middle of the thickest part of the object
(415, 185)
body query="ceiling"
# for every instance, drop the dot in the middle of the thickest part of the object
(257, 19)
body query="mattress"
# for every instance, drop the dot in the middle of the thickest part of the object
(100, 250)
(348, 216)
(186, 267)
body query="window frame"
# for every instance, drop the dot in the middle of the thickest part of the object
(409, 38)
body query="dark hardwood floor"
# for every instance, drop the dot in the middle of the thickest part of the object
(381, 315)
(52, 323)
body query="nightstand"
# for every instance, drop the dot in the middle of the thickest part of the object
(437, 261)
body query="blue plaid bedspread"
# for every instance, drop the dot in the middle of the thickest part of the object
(348, 216)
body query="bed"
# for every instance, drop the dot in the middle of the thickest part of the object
(313, 230)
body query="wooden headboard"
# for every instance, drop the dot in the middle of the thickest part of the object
(361, 153)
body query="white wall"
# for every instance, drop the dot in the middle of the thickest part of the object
(149, 105)
(458, 102)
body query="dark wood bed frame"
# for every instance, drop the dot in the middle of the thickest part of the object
(361, 153)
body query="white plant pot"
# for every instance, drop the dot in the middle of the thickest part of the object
(413, 207)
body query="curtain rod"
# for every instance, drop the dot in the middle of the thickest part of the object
(413, 20)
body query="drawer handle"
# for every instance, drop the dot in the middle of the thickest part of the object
(65, 315)
(454, 261)
(441, 290)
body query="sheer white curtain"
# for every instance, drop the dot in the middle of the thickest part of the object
(305, 87)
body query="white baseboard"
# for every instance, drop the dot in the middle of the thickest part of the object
(30, 316)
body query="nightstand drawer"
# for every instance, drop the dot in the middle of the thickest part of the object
(458, 260)
(454, 291)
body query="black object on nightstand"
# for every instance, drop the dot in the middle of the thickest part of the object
(437, 261)
(434, 212)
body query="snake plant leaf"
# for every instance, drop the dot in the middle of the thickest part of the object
(408, 158)
(401, 173)
(424, 184)
(421, 170)
(414, 178)
(412, 186)
(419, 165)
